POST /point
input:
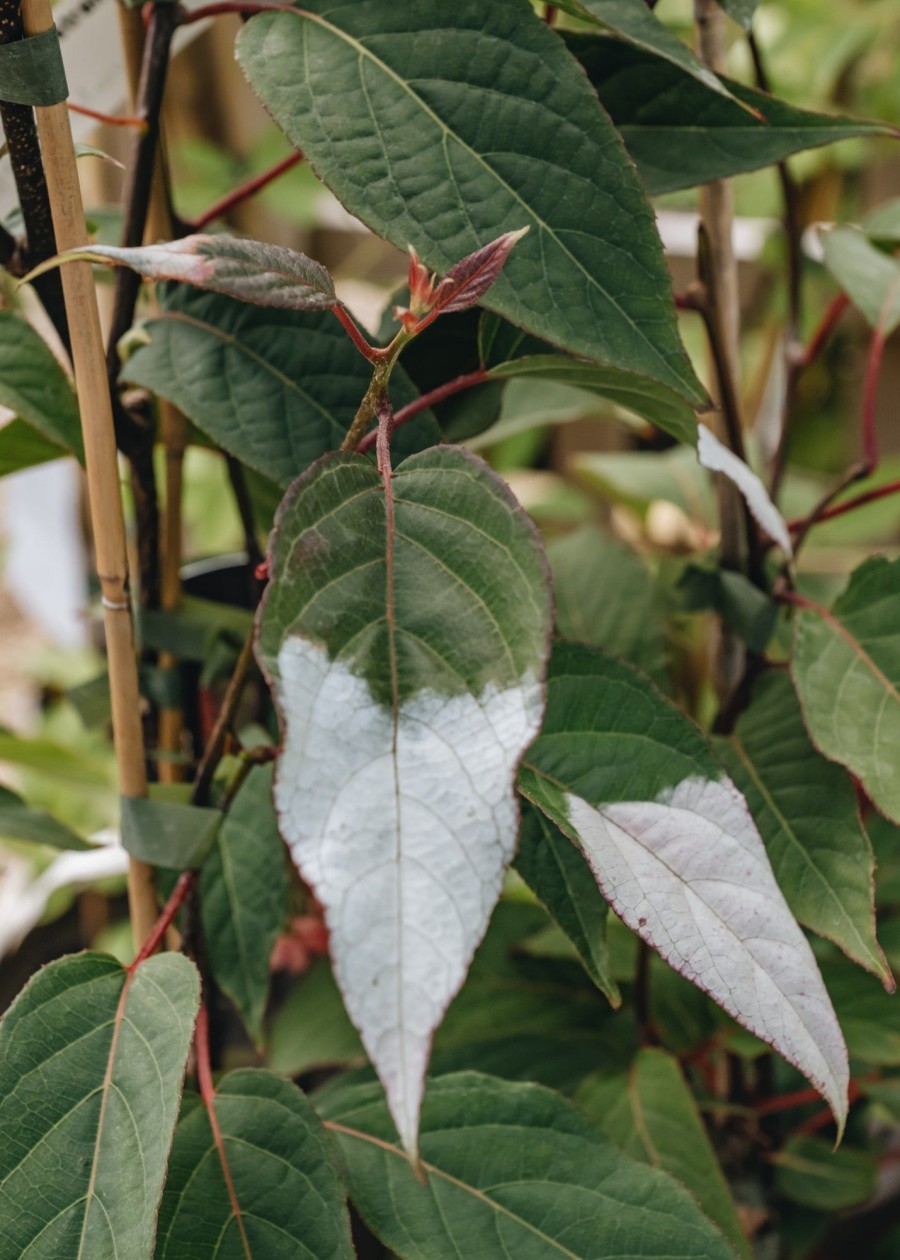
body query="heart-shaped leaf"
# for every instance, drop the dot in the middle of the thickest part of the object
(673, 847)
(465, 122)
(510, 1170)
(91, 1064)
(404, 631)
(846, 668)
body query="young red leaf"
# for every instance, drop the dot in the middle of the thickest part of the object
(467, 282)
(251, 271)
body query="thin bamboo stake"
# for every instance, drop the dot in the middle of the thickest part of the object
(172, 422)
(107, 520)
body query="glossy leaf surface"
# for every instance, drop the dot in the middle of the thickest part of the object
(91, 1063)
(846, 668)
(278, 389)
(405, 636)
(446, 126)
(282, 1199)
(675, 851)
(510, 1170)
(808, 816)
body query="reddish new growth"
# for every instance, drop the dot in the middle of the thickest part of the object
(463, 286)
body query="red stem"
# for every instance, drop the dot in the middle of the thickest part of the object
(850, 505)
(188, 17)
(822, 1118)
(111, 120)
(785, 1102)
(372, 353)
(549, 14)
(208, 1094)
(834, 312)
(870, 399)
(244, 191)
(180, 894)
(431, 399)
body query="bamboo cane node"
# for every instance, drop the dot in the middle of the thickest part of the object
(115, 605)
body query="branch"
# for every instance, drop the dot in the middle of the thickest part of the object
(188, 16)
(244, 192)
(431, 399)
(212, 753)
(180, 893)
(849, 505)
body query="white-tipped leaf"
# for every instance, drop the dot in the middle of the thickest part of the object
(675, 851)
(405, 639)
(718, 458)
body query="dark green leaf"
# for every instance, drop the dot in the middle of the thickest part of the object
(741, 10)
(634, 22)
(20, 821)
(278, 389)
(674, 849)
(510, 1170)
(91, 1063)
(284, 1200)
(190, 630)
(445, 126)
(34, 386)
(846, 668)
(606, 597)
(558, 875)
(168, 833)
(809, 1171)
(869, 1017)
(651, 1115)
(251, 271)
(404, 632)
(680, 133)
(244, 898)
(806, 811)
(744, 608)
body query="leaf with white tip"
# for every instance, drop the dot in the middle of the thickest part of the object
(718, 458)
(405, 631)
(675, 851)
(252, 271)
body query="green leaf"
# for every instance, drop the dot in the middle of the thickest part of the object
(277, 389)
(808, 817)
(651, 1115)
(680, 133)
(35, 387)
(190, 630)
(869, 276)
(63, 764)
(673, 847)
(743, 607)
(635, 22)
(404, 631)
(741, 10)
(558, 875)
(606, 597)
(869, 1017)
(251, 271)
(882, 225)
(512, 1168)
(20, 821)
(21, 446)
(244, 898)
(846, 668)
(639, 478)
(443, 127)
(281, 1198)
(809, 1171)
(91, 1062)
(311, 1028)
(168, 833)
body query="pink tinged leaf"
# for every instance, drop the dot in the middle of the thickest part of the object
(251, 271)
(689, 873)
(466, 283)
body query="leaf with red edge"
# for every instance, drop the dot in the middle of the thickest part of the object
(468, 281)
(91, 1063)
(253, 271)
(258, 1183)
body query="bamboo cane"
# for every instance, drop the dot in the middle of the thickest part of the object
(107, 520)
